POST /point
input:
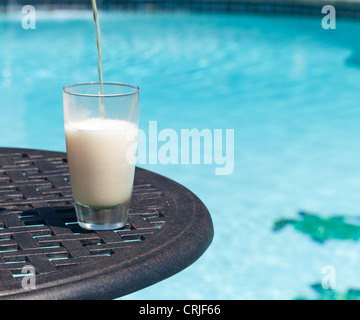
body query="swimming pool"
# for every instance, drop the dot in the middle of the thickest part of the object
(288, 88)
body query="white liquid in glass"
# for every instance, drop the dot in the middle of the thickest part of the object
(101, 155)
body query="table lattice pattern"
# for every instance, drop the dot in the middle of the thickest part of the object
(38, 228)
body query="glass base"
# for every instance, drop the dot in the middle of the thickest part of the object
(92, 218)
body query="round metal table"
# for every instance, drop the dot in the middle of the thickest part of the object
(44, 254)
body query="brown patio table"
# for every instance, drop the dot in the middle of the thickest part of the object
(168, 229)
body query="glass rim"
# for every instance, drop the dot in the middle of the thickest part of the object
(120, 84)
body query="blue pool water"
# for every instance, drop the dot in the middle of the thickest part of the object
(288, 88)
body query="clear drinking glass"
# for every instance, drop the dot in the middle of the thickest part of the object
(101, 142)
